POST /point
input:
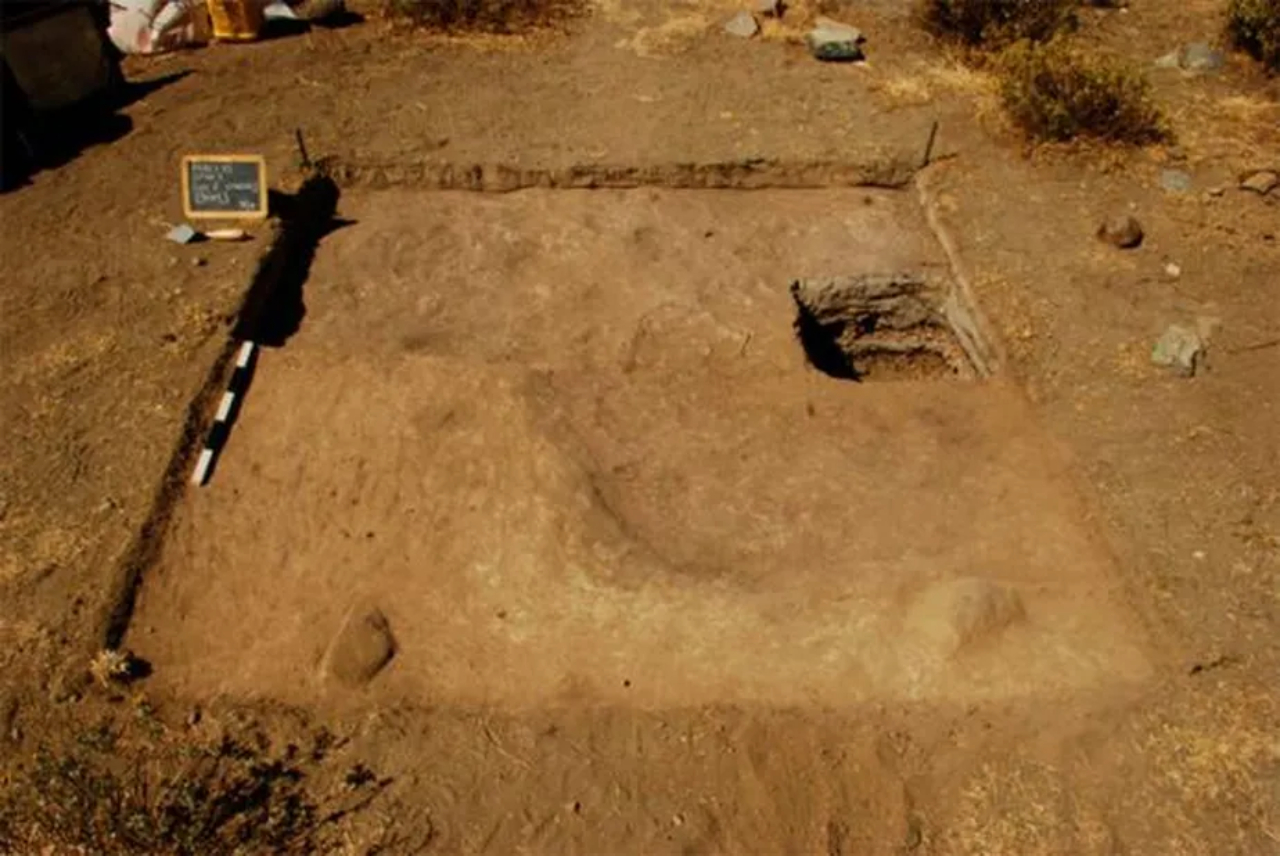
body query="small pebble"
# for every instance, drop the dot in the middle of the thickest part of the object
(1124, 232)
(1261, 182)
(743, 25)
(833, 41)
(199, 261)
(1173, 270)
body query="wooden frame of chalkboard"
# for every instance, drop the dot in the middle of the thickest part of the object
(195, 209)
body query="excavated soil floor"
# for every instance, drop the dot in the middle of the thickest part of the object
(569, 445)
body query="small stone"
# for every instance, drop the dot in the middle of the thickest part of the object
(1179, 348)
(199, 261)
(743, 25)
(1261, 182)
(832, 41)
(1172, 270)
(362, 648)
(182, 234)
(1124, 232)
(770, 8)
(1169, 60)
(1199, 56)
(1175, 180)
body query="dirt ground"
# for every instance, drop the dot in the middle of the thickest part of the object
(568, 444)
(657, 585)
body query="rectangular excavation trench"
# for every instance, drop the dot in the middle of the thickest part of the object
(568, 444)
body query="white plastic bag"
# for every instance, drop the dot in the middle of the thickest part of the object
(155, 26)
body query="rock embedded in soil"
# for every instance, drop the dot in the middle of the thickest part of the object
(362, 648)
(1175, 180)
(1196, 56)
(1261, 182)
(832, 41)
(1179, 348)
(1124, 232)
(1199, 56)
(743, 25)
(964, 613)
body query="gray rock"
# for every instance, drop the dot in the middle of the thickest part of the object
(1199, 56)
(1175, 180)
(362, 648)
(743, 25)
(832, 41)
(182, 234)
(1179, 348)
(1261, 182)
(1124, 232)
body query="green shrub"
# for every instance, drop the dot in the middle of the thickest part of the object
(489, 16)
(995, 23)
(1057, 94)
(1254, 26)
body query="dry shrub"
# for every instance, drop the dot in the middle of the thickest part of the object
(487, 16)
(1057, 94)
(103, 798)
(995, 23)
(1254, 26)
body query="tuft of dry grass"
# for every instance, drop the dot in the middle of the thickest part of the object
(1254, 27)
(993, 24)
(110, 667)
(103, 795)
(1056, 94)
(485, 16)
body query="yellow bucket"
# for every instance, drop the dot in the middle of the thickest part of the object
(236, 20)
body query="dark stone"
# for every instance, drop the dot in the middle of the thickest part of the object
(1124, 232)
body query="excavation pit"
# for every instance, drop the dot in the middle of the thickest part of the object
(903, 326)
(566, 444)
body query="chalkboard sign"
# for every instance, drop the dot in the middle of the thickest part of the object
(224, 186)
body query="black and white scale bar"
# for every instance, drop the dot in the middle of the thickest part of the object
(222, 419)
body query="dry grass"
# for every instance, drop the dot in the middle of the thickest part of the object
(1056, 94)
(992, 24)
(1254, 26)
(104, 795)
(486, 16)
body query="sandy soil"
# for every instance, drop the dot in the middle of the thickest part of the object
(1160, 490)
